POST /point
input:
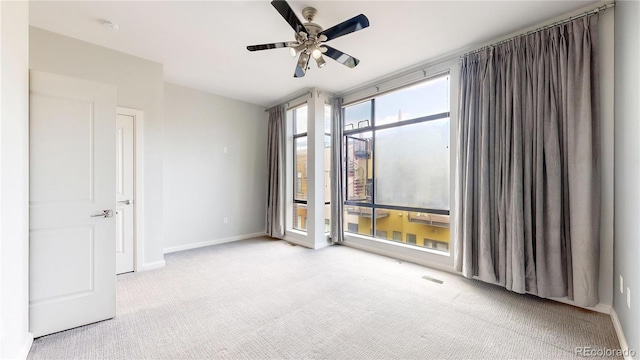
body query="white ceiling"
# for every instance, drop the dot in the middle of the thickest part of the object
(202, 44)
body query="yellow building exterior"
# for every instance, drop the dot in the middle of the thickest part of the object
(421, 229)
(426, 230)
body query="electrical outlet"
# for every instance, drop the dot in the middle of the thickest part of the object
(621, 285)
(628, 298)
(225, 149)
(225, 220)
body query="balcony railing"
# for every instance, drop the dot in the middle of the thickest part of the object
(430, 219)
(366, 212)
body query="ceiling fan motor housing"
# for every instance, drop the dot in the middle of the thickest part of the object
(313, 29)
(309, 13)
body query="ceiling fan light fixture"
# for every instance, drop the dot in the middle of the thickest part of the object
(303, 59)
(320, 61)
(316, 53)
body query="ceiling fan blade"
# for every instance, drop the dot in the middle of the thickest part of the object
(285, 10)
(342, 58)
(300, 71)
(268, 46)
(347, 27)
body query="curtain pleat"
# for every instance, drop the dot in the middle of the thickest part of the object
(275, 221)
(528, 170)
(337, 172)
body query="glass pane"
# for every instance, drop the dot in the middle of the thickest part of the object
(357, 219)
(327, 168)
(427, 98)
(300, 120)
(300, 216)
(327, 119)
(421, 229)
(357, 116)
(412, 165)
(300, 168)
(327, 218)
(359, 167)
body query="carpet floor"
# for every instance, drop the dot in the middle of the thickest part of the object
(262, 299)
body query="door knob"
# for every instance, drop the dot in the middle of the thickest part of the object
(125, 202)
(104, 214)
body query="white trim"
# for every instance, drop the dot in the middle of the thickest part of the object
(297, 241)
(624, 346)
(171, 249)
(601, 308)
(138, 204)
(375, 248)
(24, 352)
(297, 237)
(153, 265)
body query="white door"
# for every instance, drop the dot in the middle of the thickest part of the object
(72, 182)
(124, 193)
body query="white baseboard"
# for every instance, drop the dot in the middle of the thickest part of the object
(601, 308)
(624, 346)
(412, 259)
(24, 352)
(297, 242)
(153, 265)
(171, 249)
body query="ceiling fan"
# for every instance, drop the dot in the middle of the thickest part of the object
(311, 38)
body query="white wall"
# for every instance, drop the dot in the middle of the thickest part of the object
(202, 184)
(627, 168)
(15, 339)
(140, 86)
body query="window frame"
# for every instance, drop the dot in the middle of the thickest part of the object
(327, 132)
(294, 114)
(372, 128)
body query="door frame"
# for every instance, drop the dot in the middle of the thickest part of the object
(138, 184)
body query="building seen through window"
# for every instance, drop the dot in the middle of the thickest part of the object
(300, 147)
(397, 165)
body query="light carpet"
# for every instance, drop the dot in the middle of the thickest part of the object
(262, 299)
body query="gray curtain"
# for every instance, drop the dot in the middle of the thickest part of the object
(337, 172)
(528, 168)
(276, 172)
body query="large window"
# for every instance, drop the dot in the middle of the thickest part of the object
(327, 168)
(300, 151)
(397, 165)
(299, 116)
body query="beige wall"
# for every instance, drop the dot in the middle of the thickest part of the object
(140, 86)
(202, 184)
(14, 180)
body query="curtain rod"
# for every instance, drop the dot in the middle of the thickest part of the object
(309, 92)
(588, 13)
(458, 54)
